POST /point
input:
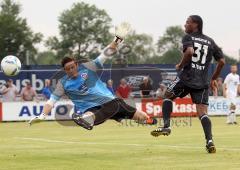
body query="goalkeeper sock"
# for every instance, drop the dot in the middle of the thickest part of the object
(166, 111)
(207, 126)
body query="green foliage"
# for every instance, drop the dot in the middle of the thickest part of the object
(142, 48)
(170, 39)
(230, 60)
(16, 37)
(47, 58)
(83, 29)
(172, 56)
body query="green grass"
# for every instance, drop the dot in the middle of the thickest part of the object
(111, 146)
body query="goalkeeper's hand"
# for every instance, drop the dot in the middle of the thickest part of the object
(37, 119)
(122, 31)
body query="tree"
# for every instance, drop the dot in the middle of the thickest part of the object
(142, 48)
(47, 58)
(169, 47)
(16, 37)
(83, 30)
(171, 39)
(230, 60)
(172, 56)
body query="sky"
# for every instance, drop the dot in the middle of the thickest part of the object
(221, 17)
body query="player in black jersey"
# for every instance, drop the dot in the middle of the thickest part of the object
(198, 50)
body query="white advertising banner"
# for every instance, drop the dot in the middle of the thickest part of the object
(220, 106)
(18, 111)
(22, 111)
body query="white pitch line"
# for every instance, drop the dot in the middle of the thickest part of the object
(123, 144)
(72, 142)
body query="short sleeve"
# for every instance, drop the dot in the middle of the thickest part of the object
(226, 79)
(187, 42)
(217, 52)
(93, 65)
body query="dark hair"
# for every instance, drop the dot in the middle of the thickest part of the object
(9, 80)
(197, 19)
(234, 64)
(66, 60)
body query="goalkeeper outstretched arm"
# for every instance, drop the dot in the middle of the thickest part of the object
(121, 32)
(46, 110)
(55, 96)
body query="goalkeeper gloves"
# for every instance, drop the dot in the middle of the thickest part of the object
(122, 31)
(37, 119)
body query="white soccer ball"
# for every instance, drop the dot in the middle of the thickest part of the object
(10, 65)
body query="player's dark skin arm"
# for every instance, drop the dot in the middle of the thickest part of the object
(220, 64)
(187, 56)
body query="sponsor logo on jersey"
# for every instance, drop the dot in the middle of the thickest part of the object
(84, 76)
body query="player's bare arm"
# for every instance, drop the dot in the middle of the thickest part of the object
(238, 90)
(220, 64)
(224, 90)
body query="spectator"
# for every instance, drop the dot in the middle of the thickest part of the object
(9, 91)
(123, 89)
(28, 93)
(46, 92)
(146, 87)
(218, 91)
(231, 89)
(161, 90)
(110, 86)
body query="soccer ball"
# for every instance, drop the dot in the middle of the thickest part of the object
(10, 65)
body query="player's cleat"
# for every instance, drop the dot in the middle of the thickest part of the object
(235, 123)
(78, 119)
(210, 147)
(161, 131)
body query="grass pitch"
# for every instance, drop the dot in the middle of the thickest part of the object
(113, 146)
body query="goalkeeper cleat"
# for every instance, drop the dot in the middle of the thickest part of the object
(161, 131)
(210, 147)
(78, 119)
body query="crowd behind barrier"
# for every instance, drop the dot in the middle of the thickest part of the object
(159, 76)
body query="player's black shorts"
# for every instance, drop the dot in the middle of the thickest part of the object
(199, 96)
(117, 107)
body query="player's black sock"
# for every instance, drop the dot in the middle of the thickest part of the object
(100, 116)
(167, 110)
(207, 126)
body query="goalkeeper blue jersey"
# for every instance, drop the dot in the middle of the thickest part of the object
(86, 90)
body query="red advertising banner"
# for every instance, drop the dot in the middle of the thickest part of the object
(181, 107)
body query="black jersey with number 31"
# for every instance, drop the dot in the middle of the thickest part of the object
(195, 73)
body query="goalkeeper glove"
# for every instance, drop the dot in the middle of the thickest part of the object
(37, 119)
(122, 31)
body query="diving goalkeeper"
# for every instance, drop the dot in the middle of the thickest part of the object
(89, 94)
